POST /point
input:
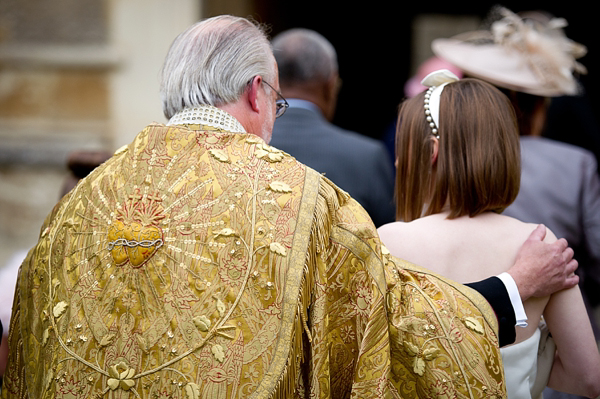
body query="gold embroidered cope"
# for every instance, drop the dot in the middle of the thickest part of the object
(200, 263)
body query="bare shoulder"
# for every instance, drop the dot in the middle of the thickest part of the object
(519, 230)
(409, 241)
(397, 236)
(392, 233)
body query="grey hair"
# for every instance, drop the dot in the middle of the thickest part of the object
(303, 56)
(212, 63)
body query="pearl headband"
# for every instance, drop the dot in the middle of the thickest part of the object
(436, 81)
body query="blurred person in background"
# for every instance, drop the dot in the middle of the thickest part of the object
(308, 74)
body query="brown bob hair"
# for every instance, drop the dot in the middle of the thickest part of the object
(478, 166)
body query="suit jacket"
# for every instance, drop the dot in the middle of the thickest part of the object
(560, 188)
(358, 164)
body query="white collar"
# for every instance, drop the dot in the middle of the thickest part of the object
(207, 115)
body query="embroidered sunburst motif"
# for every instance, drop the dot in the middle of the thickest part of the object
(149, 259)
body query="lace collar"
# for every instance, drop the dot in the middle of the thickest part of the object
(209, 116)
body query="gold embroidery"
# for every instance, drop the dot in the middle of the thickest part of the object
(192, 391)
(59, 309)
(134, 243)
(473, 324)
(278, 248)
(202, 322)
(219, 154)
(121, 377)
(280, 187)
(214, 265)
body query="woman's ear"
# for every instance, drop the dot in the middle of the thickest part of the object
(435, 143)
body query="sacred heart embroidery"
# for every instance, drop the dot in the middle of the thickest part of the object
(133, 242)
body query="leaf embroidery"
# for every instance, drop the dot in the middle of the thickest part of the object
(280, 187)
(260, 153)
(113, 383)
(269, 156)
(142, 343)
(221, 307)
(411, 348)
(59, 309)
(107, 339)
(275, 157)
(226, 232)
(202, 322)
(192, 391)
(419, 366)
(278, 248)
(252, 139)
(219, 155)
(49, 378)
(431, 353)
(419, 358)
(473, 324)
(218, 352)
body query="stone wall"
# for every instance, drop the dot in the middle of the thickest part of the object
(54, 74)
(74, 75)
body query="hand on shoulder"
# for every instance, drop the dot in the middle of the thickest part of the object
(544, 265)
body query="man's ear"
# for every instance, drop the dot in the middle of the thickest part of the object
(253, 91)
(435, 144)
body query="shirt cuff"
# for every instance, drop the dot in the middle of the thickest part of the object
(515, 299)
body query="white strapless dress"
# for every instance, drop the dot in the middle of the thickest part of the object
(520, 368)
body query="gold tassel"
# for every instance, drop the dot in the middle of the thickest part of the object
(329, 200)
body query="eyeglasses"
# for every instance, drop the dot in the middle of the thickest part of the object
(281, 104)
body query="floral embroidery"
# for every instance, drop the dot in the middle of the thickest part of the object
(186, 274)
(121, 377)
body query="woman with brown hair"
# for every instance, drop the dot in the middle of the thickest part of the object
(458, 167)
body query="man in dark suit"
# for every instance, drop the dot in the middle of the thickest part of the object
(308, 76)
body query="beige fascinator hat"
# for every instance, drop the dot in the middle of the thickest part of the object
(530, 55)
